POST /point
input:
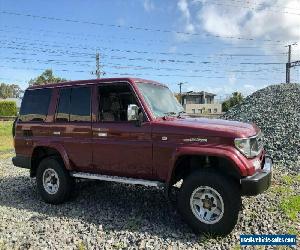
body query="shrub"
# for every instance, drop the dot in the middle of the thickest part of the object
(8, 108)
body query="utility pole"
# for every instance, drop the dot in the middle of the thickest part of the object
(287, 70)
(97, 72)
(290, 64)
(180, 84)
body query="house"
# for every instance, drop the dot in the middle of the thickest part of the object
(200, 103)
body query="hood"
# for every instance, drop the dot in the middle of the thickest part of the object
(210, 127)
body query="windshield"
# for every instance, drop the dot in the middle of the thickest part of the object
(160, 99)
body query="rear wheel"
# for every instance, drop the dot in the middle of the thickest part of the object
(209, 202)
(54, 183)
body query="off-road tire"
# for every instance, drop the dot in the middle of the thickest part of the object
(66, 183)
(229, 192)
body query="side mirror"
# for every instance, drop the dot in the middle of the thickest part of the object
(132, 112)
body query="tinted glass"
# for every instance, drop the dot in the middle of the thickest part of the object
(35, 105)
(63, 108)
(80, 104)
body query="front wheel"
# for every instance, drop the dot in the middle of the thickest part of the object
(209, 202)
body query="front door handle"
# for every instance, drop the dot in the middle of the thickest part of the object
(103, 134)
(56, 132)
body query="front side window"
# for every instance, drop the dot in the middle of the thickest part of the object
(160, 99)
(113, 102)
(35, 105)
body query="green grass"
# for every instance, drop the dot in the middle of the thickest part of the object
(6, 139)
(288, 198)
(290, 205)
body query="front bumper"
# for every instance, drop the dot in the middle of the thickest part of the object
(260, 181)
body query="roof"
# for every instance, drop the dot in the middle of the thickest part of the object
(192, 93)
(93, 81)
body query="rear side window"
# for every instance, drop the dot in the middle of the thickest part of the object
(80, 104)
(35, 105)
(63, 109)
(74, 105)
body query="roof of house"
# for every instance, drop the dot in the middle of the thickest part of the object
(201, 93)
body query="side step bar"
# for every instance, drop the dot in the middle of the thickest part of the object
(117, 179)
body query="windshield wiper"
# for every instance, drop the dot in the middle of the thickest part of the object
(171, 113)
(180, 113)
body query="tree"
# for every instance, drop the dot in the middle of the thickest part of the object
(10, 91)
(235, 99)
(46, 77)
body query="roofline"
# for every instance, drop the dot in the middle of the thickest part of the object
(93, 81)
(197, 93)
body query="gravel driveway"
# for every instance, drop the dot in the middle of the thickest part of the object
(115, 216)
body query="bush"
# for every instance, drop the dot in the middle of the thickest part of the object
(8, 108)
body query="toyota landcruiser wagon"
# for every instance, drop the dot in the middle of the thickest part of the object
(134, 131)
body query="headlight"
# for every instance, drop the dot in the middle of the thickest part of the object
(250, 147)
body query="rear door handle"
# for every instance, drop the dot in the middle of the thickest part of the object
(103, 134)
(56, 133)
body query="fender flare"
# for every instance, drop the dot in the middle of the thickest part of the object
(229, 153)
(59, 148)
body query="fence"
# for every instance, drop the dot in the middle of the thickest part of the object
(7, 118)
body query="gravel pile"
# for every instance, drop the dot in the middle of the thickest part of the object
(114, 216)
(276, 110)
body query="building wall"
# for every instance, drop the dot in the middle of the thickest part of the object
(199, 109)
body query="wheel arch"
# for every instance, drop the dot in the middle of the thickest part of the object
(41, 151)
(187, 161)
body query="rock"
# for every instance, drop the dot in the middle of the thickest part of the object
(276, 110)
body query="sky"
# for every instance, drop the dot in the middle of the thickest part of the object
(220, 46)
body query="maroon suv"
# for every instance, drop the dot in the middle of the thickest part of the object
(134, 131)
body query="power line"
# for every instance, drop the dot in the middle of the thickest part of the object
(126, 66)
(248, 7)
(163, 61)
(134, 27)
(130, 74)
(263, 5)
(127, 40)
(86, 47)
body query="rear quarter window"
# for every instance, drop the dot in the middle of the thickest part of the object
(35, 105)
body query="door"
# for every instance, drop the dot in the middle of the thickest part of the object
(72, 126)
(119, 146)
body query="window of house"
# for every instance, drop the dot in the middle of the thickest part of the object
(215, 110)
(114, 100)
(35, 105)
(194, 111)
(200, 111)
(209, 110)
